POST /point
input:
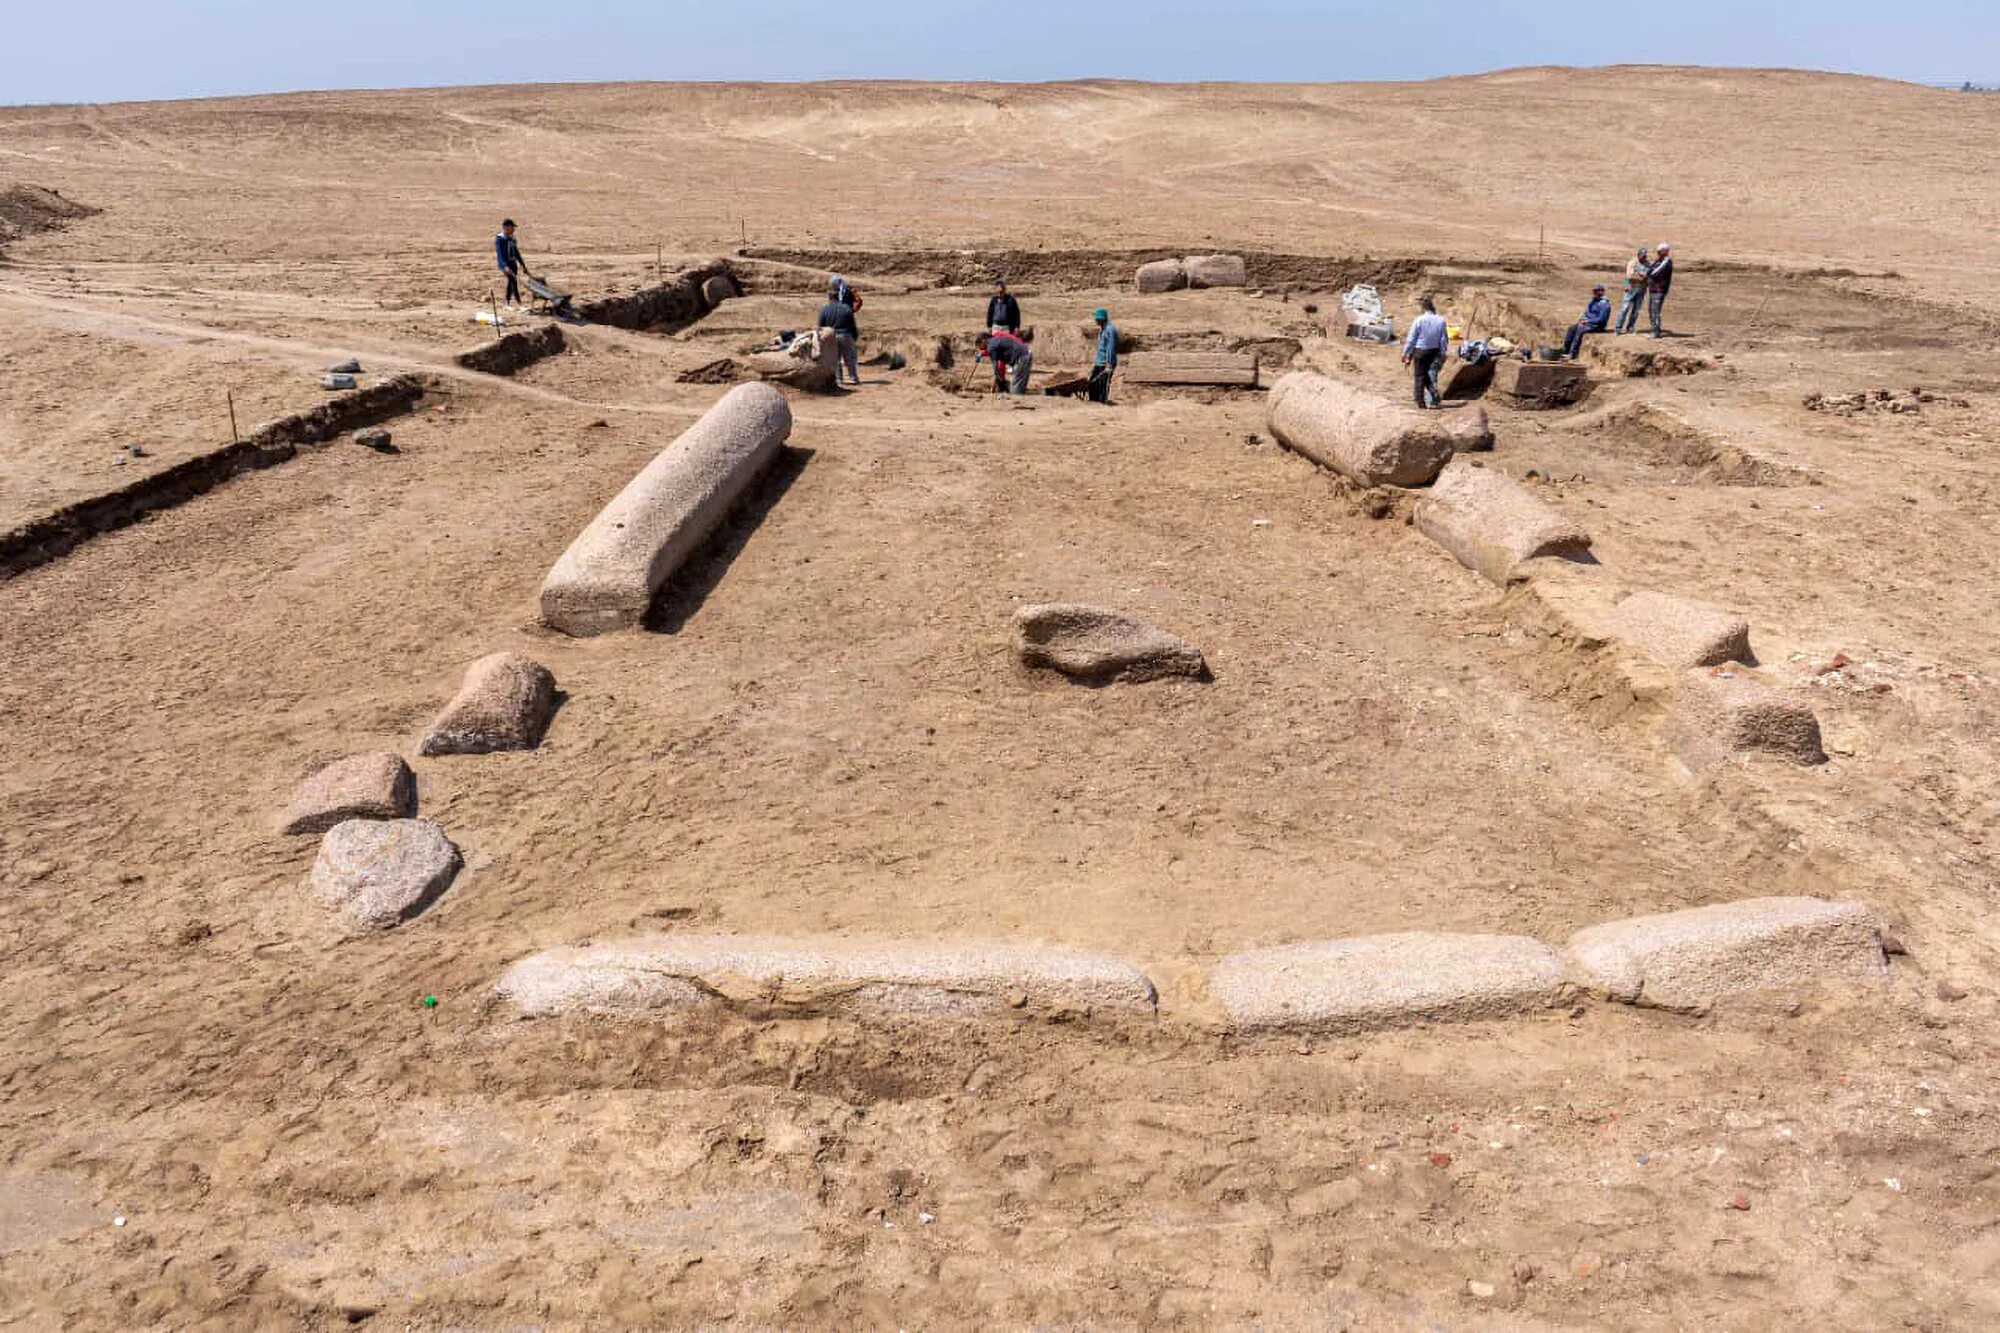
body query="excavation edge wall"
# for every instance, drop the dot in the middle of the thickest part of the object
(41, 540)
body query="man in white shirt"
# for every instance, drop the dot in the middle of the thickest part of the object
(1423, 350)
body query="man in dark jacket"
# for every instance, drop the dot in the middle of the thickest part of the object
(1003, 312)
(839, 316)
(1596, 319)
(507, 255)
(1659, 281)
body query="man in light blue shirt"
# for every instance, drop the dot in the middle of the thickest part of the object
(1106, 359)
(1423, 350)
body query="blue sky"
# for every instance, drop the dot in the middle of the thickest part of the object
(104, 50)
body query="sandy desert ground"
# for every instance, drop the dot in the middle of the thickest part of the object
(822, 729)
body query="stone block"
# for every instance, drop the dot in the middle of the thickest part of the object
(1216, 270)
(1092, 644)
(718, 289)
(1689, 960)
(380, 873)
(1379, 981)
(926, 977)
(1679, 631)
(1359, 434)
(1539, 384)
(1162, 275)
(811, 363)
(1722, 711)
(610, 573)
(504, 704)
(362, 786)
(1491, 524)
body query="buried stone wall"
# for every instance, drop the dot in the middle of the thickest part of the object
(677, 301)
(510, 352)
(45, 539)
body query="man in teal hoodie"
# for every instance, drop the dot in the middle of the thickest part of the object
(1106, 359)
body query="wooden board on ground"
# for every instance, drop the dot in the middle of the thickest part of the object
(1227, 368)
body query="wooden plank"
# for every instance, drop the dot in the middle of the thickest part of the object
(1225, 368)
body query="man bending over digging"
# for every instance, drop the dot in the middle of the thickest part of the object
(1012, 361)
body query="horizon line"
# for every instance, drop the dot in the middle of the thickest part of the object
(1939, 85)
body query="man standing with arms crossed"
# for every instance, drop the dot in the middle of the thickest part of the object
(1636, 272)
(1424, 350)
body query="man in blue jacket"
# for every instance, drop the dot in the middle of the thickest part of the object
(1105, 359)
(507, 254)
(1596, 319)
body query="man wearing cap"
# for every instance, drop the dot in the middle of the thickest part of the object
(838, 290)
(1003, 312)
(1635, 292)
(1012, 361)
(1106, 359)
(1659, 281)
(507, 254)
(1596, 319)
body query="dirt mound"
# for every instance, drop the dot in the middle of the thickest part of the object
(29, 210)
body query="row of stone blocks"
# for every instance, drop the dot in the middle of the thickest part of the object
(1496, 528)
(1170, 275)
(1682, 961)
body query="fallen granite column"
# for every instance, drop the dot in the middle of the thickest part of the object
(608, 576)
(1364, 436)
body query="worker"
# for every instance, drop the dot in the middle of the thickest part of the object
(1596, 319)
(1105, 360)
(838, 316)
(1424, 350)
(507, 254)
(1003, 312)
(838, 290)
(1635, 292)
(1013, 360)
(1659, 281)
